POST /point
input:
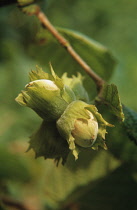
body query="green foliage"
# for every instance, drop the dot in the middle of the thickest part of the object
(110, 97)
(106, 22)
(89, 167)
(130, 123)
(108, 191)
(121, 146)
(97, 56)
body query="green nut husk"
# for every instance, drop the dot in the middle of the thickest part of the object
(82, 126)
(76, 84)
(46, 94)
(85, 131)
(69, 122)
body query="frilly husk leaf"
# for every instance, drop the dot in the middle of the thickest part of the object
(48, 143)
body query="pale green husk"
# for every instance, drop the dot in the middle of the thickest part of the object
(64, 103)
(81, 110)
(48, 102)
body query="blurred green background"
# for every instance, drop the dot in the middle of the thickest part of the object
(104, 180)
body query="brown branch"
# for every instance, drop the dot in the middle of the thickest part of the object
(13, 203)
(46, 23)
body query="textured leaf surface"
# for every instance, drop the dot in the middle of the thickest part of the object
(111, 192)
(119, 143)
(110, 97)
(97, 57)
(95, 54)
(62, 180)
(130, 123)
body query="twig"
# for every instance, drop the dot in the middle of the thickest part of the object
(13, 203)
(44, 20)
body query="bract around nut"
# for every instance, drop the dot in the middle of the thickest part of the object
(82, 126)
(47, 142)
(46, 94)
(76, 84)
(70, 123)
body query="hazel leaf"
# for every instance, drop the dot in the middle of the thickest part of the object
(111, 98)
(130, 123)
(95, 55)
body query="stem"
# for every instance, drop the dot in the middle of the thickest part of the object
(45, 22)
(12, 203)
